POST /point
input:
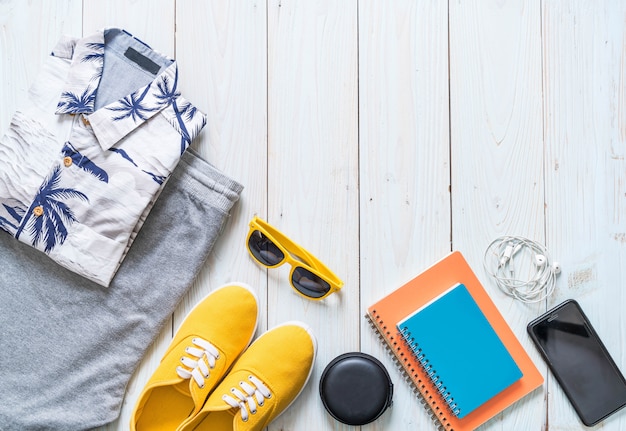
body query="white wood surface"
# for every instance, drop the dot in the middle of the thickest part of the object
(381, 135)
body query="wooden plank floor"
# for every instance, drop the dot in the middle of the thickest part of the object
(381, 135)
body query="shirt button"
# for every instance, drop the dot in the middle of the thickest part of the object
(85, 121)
(38, 211)
(67, 161)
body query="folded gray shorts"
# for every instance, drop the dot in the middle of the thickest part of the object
(69, 346)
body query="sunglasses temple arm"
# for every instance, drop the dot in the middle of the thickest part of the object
(293, 247)
(300, 252)
(314, 261)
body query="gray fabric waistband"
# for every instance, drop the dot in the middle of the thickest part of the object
(199, 177)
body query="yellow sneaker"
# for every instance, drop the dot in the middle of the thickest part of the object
(263, 382)
(208, 342)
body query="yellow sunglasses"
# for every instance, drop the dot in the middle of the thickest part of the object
(271, 248)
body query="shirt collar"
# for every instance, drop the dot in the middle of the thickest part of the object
(79, 92)
(116, 120)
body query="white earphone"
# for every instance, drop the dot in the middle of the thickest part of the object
(540, 260)
(503, 257)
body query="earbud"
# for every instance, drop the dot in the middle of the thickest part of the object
(540, 260)
(532, 286)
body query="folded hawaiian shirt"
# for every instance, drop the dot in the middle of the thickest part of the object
(83, 161)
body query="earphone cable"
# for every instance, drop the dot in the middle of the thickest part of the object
(503, 256)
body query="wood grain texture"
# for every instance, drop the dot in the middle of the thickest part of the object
(381, 135)
(220, 51)
(150, 21)
(28, 33)
(404, 163)
(312, 175)
(497, 150)
(227, 42)
(584, 103)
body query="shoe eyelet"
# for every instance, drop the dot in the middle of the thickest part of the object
(224, 397)
(262, 404)
(253, 412)
(269, 396)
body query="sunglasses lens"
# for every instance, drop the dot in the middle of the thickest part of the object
(264, 249)
(309, 284)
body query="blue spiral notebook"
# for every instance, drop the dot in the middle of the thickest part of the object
(459, 350)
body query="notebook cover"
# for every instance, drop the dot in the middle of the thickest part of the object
(466, 358)
(384, 314)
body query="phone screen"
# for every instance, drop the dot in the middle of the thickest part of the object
(580, 362)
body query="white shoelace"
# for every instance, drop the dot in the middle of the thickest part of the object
(195, 366)
(245, 399)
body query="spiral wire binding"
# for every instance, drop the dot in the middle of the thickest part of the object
(437, 418)
(429, 369)
(499, 262)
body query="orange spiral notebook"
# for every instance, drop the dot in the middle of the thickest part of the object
(385, 314)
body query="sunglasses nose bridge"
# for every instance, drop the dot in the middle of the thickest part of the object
(293, 262)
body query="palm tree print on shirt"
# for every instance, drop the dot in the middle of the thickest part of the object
(159, 179)
(72, 103)
(131, 107)
(187, 111)
(168, 96)
(95, 56)
(84, 162)
(124, 154)
(48, 215)
(6, 225)
(17, 213)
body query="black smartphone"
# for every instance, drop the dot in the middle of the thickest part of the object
(581, 364)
